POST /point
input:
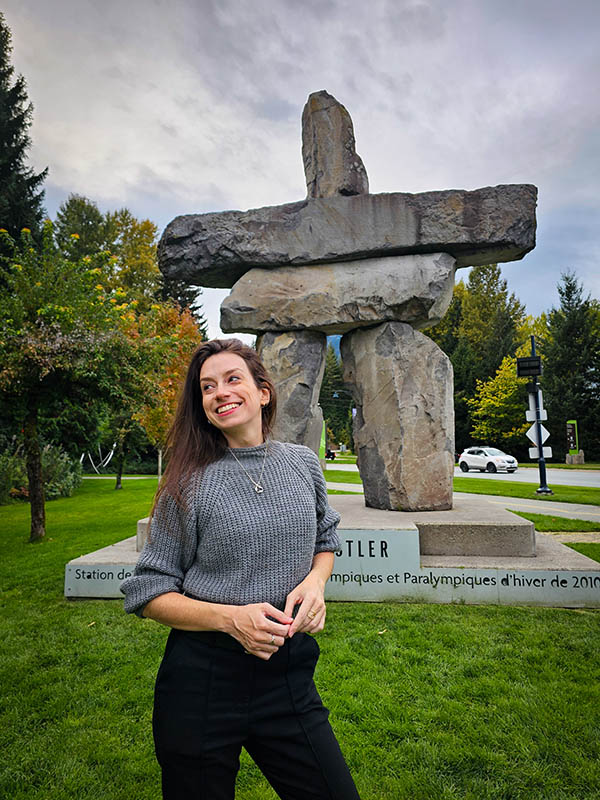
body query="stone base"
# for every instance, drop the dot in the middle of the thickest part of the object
(576, 458)
(380, 559)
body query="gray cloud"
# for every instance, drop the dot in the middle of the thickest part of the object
(195, 105)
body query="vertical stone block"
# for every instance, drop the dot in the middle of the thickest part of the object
(296, 362)
(404, 426)
(331, 164)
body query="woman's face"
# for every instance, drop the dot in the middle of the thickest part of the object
(231, 399)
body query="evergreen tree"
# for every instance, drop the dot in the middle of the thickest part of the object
(480, 328)
(571, 378)
(81, 230)
(21, 196)
(335, 400)
(490, 319)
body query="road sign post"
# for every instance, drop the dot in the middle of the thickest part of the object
(531, 366)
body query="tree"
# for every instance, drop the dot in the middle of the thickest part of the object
(59, 329)
(178, 336)
(480, 328)
(21, 196)
(335, 400)
(498, 409)
(80, 228)
(571, 378)
(83, 230)
(490, 319)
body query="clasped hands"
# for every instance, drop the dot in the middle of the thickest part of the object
(262, 629)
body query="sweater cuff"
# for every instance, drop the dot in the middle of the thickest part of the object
(139, 590)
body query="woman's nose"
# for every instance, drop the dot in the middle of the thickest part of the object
(222, 390)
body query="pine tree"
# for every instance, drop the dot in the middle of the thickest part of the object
(80, 228)
(480, 328)
(335, 400)
(21, 196)
(571, 378)
(490, 319)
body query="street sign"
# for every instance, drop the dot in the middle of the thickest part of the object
(540, 398)
(529, 366)
(572, 438)
(530, 415)
(535, 453)
(532, 434)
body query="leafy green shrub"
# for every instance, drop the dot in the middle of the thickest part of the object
(61, 475)
(13, 475)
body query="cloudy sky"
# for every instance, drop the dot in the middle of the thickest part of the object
(181, 106)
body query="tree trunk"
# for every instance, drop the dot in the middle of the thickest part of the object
(33, 458)
(120, 458)
(159, 463)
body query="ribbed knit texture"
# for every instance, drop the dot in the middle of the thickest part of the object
(228, 544)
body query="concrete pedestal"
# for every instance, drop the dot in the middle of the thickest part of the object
(387, 556)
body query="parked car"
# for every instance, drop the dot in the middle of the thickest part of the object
(488, 459)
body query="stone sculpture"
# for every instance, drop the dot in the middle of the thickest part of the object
(374, 267)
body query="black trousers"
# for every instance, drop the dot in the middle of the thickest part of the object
(212, 699)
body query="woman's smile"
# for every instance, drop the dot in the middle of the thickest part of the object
(227, 408)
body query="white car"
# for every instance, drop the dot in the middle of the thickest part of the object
(484, 459)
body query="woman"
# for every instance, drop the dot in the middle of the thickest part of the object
(240, 548)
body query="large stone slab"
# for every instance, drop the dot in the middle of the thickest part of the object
(331, 164)
(404, 426)
(480, 227)
(296, 362)
(336, 298)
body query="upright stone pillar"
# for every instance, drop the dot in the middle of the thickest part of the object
(296, 362)
(404, 426)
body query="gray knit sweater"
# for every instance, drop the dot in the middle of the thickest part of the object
(228, 544)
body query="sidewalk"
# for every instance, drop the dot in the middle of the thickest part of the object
(570, 510)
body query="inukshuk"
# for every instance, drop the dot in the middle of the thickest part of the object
(376, 268)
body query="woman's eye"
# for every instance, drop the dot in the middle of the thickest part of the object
(234, 378)
(206, 388)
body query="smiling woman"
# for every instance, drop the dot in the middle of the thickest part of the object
(232, 400)
(241, 545)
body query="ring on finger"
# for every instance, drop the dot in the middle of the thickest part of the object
(312, 614)
(272, 638)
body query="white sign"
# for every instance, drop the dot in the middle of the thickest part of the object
(532, 434)
(535, 453)
(96, 580)
(385, 565)
(531, 417)
(540, 401)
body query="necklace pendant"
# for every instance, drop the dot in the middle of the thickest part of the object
(258, 488)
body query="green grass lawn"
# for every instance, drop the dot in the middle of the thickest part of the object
(562, 494)
(547, 523)
(430, 702)
(589, 549)
(341, 476)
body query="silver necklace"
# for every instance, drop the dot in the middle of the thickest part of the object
(258, 487)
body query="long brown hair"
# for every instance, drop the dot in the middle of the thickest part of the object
(192, 442)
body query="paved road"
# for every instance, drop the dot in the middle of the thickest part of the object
(558, 477)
